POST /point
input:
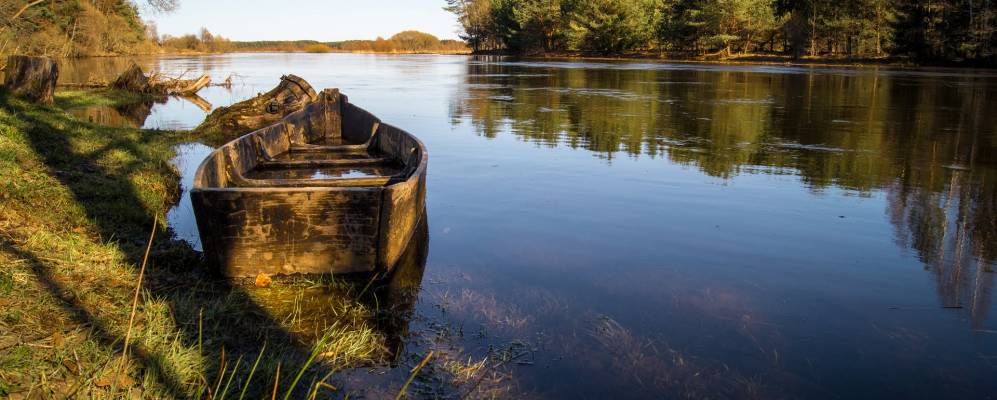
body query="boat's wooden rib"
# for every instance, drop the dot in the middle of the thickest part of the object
(314, 148)
(324, 182)
(347, 162)
(259, 209)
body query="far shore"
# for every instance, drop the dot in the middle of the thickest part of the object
(737, 59)
(745, 59)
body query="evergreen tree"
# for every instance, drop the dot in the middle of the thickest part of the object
(941, 29)
(731, 22)
(685, 25)
(540, 24)
(925, 30)
(614, 25)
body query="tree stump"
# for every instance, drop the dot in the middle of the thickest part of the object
(132, 80)
(292, 94)
(33, 78)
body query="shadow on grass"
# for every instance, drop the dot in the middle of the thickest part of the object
(213, 315)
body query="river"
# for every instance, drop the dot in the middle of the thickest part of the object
(647, 230)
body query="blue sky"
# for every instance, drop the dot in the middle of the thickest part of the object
(327, 20)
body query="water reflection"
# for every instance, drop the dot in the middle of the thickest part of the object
(634, 230)
(930, 145)
(181, 216)
(173, 112)
(125, 116)
(953, 234)
(313, 308)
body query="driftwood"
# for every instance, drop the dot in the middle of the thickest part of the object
(292, 94)
(193, 86)
(134, 80)
(32, 77)
(227, 83)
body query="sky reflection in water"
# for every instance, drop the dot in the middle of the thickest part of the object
(675, 229)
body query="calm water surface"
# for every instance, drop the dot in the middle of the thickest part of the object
(635, 230)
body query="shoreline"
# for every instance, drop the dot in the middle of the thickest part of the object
(67, 201)
(749, 59)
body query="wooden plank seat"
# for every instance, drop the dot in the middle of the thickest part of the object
(240, 180)
(345, 148)
(324, 182)
(337, 162)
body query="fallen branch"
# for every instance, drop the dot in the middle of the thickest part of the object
(227, 83)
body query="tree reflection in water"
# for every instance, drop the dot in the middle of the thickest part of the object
(929, 144)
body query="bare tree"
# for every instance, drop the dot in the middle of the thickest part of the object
(164, 6)
(151, 31)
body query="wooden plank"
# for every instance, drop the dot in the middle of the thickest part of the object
(314, 148)
(326, 182)
(300, 231)
(339, 162)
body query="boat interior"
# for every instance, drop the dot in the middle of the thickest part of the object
(329, 143)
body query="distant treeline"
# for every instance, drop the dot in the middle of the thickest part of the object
(79, 28)
(203, 42)
(924, 31)
(935, 30)
(402, 42)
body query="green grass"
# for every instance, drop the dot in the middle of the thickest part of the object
(77, 201)
(102, 97)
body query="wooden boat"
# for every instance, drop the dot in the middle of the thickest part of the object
(328, 189)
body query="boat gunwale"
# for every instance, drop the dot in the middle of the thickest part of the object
(198, 186)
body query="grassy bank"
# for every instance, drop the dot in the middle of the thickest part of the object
(77, 203)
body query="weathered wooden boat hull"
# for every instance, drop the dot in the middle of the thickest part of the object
(309, 226)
